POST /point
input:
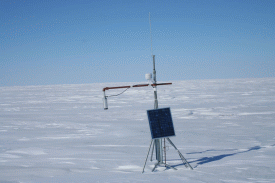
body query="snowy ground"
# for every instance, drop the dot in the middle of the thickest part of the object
(224, 128)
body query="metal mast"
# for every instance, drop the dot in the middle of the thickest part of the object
(154, 82)
(158, 142)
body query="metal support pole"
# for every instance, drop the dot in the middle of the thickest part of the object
(164, 148)
(154, 82)
(158, 142)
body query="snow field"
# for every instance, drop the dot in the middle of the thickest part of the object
(224, 128)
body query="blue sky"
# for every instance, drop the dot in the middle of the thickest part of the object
(89, 41)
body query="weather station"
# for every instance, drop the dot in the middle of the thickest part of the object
(160, 120)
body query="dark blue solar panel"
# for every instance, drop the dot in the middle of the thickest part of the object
(161, 124)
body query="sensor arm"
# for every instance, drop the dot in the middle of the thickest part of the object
(105, 103)
(140, 85)
(117, 87)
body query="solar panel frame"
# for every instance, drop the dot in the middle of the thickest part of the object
(161, 123)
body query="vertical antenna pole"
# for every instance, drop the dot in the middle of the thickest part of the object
(151, 35)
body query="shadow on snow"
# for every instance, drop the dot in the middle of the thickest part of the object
(204, 160)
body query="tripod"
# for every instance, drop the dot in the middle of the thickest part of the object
(160, 162)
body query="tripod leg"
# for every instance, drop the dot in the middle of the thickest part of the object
(181, 156)
(155, 166)
(152, 152)
(184, 161)
(147, 155)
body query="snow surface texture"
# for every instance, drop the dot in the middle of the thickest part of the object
(224, 128)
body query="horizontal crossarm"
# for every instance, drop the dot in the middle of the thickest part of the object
(161, 84)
